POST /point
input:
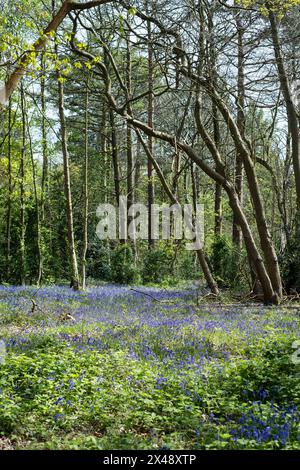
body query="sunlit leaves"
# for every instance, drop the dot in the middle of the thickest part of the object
(61, 79)
(279, 7)
(132, 11)
(81, 45)
(97, 59)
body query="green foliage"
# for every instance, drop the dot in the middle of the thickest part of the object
(224, 261)
(280, 7)
(115, 385)
(156, 263)
(165, 264)
(99, 266)
(290, 264)
(122, 265)
(187, 266)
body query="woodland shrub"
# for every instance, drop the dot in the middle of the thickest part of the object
(123, 270)
(290, 264)
(225, 261)
(156, 264)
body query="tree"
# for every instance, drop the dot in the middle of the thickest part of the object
(67, 183)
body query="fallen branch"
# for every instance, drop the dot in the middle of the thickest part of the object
(36, 307)
(145, 293)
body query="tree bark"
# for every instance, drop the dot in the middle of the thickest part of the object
(114, 155)
(129, 144)
(37, 206)
(236, 230)
(269, 295)
(9, 199)
(292, 116)
(86, 187)
(150, 138)
(216, 126)
(22, 191)
(44, 142)
(67, 186)
(200, 253)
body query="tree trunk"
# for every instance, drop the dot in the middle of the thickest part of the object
(113, 143)
(266, 242)
(22, 191)
(218, 188)
(216, 126)
(37, 209)
(114, 155)
(86, 187)
(9, 199)
(150, 138)
(293, 123)
(270, 295)
(200, 254)
(103, 146)
(236, 230)
(67, 186)
(129, 145)
(44, 142)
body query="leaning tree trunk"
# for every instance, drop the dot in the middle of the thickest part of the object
(270, 294)
(266, 242)
(253, 252)
(238, 178)
(292, 116)
(200, 253)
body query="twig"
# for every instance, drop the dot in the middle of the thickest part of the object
(145, 293)
(164, 301)
(35, 306)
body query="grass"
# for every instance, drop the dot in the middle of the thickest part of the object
(132, 372)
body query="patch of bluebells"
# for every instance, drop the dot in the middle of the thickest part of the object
(161, 382)
(169, 333)
(267, 423)
(58, 417)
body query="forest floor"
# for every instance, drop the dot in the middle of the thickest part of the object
(112, 368)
